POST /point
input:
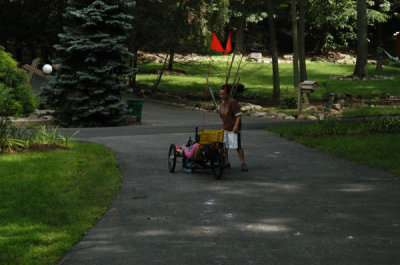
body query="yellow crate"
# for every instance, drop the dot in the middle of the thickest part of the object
(208, 137)
(211, 136)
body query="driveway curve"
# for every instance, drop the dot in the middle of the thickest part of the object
(294, 206)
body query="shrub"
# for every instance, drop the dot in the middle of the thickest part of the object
(16, 96)
(8, 136)
(288, 99)
(8, 105)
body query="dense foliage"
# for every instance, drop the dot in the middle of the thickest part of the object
(86, 88)
(30, 28)
(16, 98)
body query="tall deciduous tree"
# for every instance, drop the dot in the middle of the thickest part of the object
(360, 69)
(241, 13)
(86, 89)
(274, 51)
(293, 15)
(302, 49)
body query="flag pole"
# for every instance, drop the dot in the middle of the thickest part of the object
(228, 49)
(207, 84)
(230, 68)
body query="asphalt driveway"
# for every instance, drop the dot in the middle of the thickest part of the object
(295, 205)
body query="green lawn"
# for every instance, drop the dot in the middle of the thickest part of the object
(49, 199)
(257, 78)
(373, 142)
(379, 151)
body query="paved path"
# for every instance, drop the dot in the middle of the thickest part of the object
(294, 205)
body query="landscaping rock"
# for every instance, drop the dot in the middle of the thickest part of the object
(246, 108)
(257, 107)
(336, 106)
(281, 116)
(259, 114)
(301, 117)
(290, 118)
(47, 117)
(353, 77)
(288, 57)
(254, 56)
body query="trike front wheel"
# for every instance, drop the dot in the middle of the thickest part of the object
(172, 158)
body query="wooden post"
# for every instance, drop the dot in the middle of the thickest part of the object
(299, 101)
(304, 87)
(32, 69)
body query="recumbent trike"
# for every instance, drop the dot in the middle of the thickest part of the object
(209, 154)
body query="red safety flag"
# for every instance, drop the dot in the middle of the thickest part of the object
(228, 47)
(215, 44)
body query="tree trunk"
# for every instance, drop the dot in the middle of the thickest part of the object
(360, 69)
(160, 74)
(171, 59)
(276, 93)
(135, 58)
(132, 59)
(239, 47)
(379, 53)
(296, 76)
(302, 56)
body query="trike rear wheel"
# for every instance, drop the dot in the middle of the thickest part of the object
(172, 158)
(217, 166)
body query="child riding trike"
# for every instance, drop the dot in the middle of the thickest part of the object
(206, 151)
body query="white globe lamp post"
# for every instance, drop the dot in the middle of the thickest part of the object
(47, 69)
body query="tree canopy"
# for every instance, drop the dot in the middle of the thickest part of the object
(30, 28)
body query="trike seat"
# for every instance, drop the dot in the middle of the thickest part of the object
(208, 137)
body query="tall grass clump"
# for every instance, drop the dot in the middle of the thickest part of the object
(369, 111)
(385, 124)
(15, 139)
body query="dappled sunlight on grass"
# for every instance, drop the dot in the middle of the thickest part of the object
(257, 78)
(50, 198)
(33, 242)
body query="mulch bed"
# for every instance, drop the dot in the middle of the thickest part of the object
(34, 148)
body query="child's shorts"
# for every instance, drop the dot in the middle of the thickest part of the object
(232, 140)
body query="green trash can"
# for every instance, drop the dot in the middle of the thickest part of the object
(135, 108)
(331, 98)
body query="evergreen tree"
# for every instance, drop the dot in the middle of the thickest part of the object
(86, 88)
